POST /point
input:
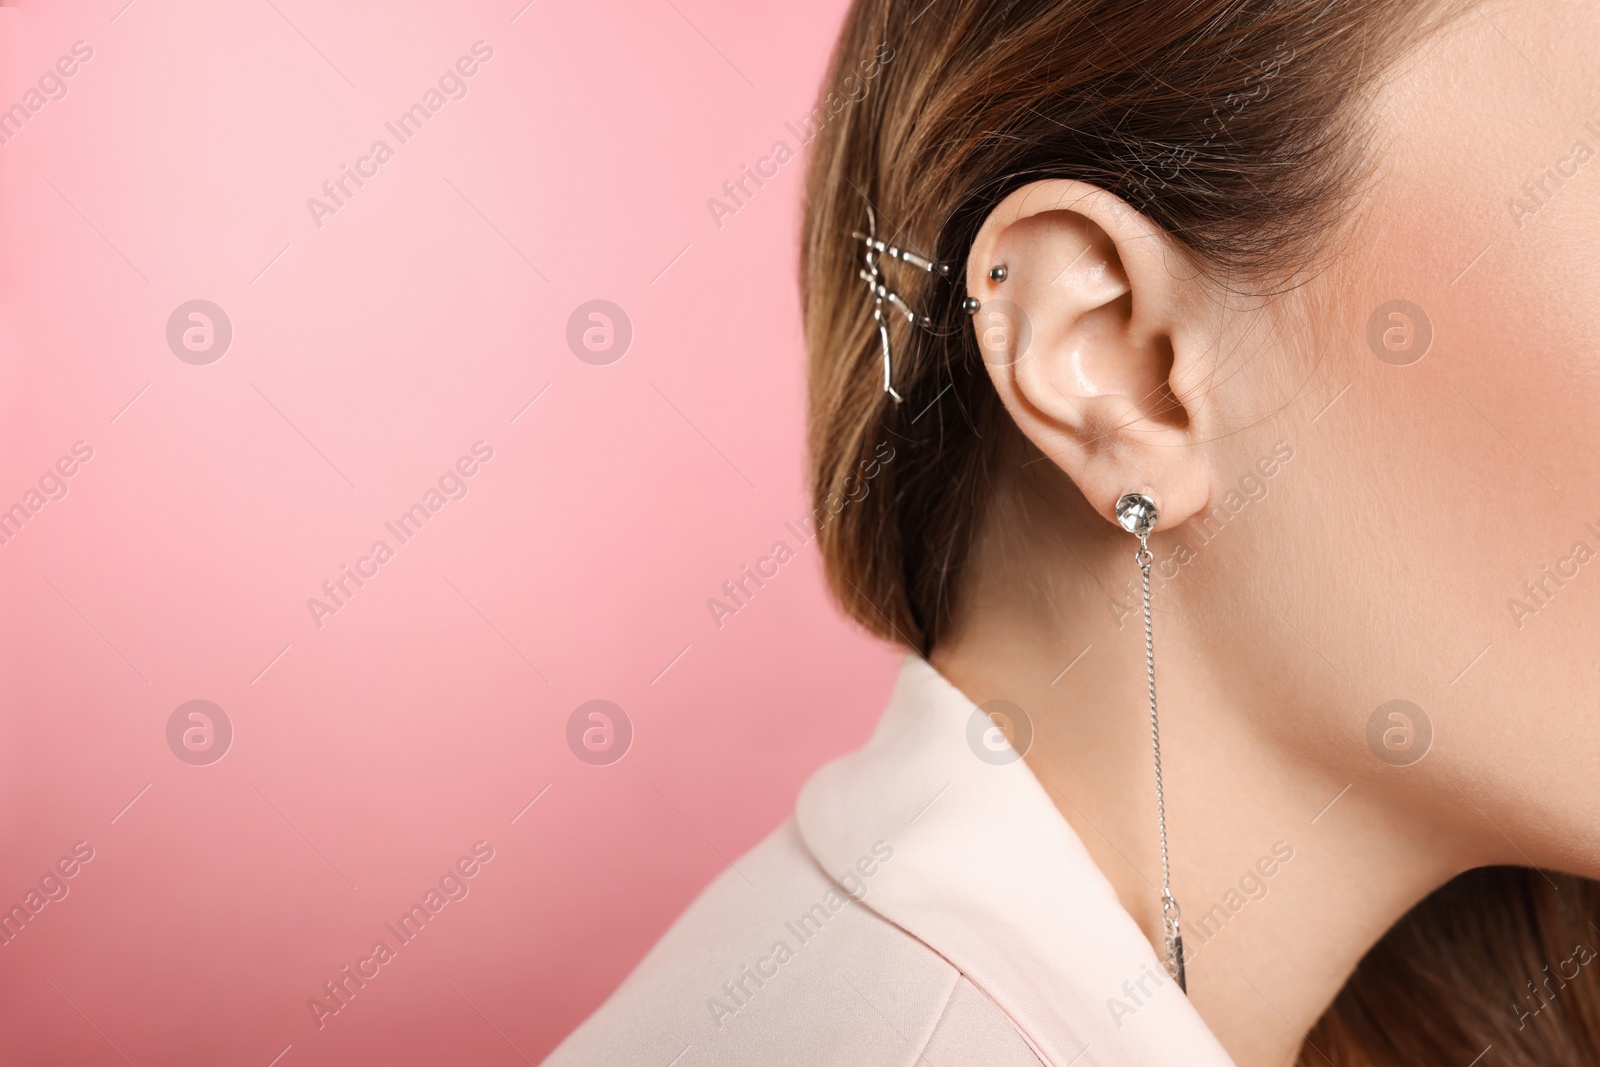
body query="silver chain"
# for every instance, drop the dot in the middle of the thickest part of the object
(1170, 912)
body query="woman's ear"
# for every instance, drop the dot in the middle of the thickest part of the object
(1092, 320)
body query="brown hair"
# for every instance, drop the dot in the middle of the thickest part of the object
(1234, 125)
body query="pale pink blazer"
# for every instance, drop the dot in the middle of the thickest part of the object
(923, 906)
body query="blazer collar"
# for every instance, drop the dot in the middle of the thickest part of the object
(987, 873)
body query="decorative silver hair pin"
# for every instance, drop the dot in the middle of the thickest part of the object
(882, 294)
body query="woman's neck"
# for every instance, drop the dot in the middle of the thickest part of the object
(1287, 867)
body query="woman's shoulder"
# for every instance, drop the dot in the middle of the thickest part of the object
(776, 963)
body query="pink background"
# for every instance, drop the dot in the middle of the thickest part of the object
(368, 354)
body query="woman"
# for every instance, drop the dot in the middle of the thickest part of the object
(1304, 292)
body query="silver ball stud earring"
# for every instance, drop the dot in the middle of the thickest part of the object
(997, 274)
(1138, 514)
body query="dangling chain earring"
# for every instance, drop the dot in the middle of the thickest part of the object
(1138, 514)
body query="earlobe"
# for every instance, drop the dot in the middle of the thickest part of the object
(1088, 333)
